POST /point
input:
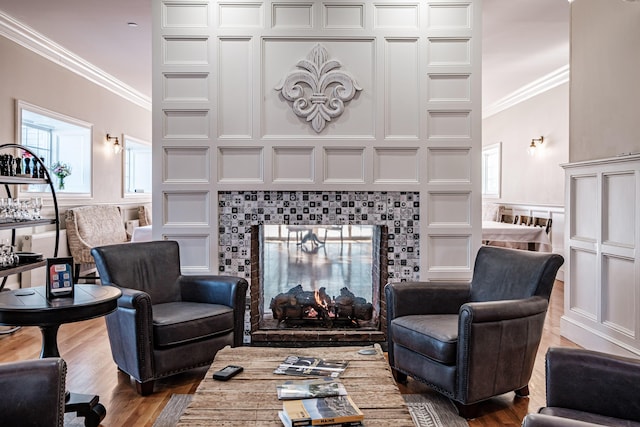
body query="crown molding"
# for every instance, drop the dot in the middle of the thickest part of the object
(39, 44)
(541, 85)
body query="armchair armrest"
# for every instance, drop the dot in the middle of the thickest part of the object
(225, 290)
(33, 392)
(594, 382)
(497, 333)
(495, 311)
(541, 420)
(135, 299)
(409, 298)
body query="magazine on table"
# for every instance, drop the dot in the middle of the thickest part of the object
(334, 410)
(311, 366)
(307, 389)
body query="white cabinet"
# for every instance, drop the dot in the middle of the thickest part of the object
(602, 270)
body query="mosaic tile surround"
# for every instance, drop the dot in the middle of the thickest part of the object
(399, 211)
(239, 210)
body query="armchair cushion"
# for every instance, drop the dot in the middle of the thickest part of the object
(144, 214)
(181, 322)
(434, 336)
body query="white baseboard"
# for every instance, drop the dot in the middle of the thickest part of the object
(592, 339)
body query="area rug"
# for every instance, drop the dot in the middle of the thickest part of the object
(432, 410)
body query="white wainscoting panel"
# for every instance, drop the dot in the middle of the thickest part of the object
(235, 88)
(193, 14)
(583, 190)
(186, 50)
(240, 164)
(396, 165)
(449, 165)
(241, 15)
(449, 16)
(449, 209)
(619, 211)
(602, 284)
(292, 15)
(186, 124)
(186, 164)
(186, 87)
(396, 15)
(402, 78)
(343, 16)
(449, 124)
(195, 252)
(449, 87)
(344, 165)
(449, 253)
(293, 164)
(186, 208)
(449, 51)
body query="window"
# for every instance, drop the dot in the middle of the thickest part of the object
(137, 167)
(491, 168)
(57, 138)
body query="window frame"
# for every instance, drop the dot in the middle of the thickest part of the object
(488, 152)
(126, 139)
(22, 192)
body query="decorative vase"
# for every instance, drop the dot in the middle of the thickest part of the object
(61, 183)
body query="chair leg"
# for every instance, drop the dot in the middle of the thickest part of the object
(467, 411)
(523, 392)
(76, 273)
(145, 388)
(399, 376)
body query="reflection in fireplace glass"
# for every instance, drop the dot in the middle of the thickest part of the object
(318, 276)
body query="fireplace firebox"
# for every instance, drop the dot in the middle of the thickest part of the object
(318, 284)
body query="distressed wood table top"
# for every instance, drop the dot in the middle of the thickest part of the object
(250, 399)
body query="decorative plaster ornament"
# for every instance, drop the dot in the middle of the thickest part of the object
(320, 75)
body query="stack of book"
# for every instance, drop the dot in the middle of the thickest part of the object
(321, 401)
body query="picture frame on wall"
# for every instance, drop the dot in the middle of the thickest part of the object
(60, 277)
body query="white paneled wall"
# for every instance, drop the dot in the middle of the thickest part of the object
(221, 122)
(602, 278)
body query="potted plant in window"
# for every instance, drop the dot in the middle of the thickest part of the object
(61, 170)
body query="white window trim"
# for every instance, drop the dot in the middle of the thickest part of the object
(487, 151)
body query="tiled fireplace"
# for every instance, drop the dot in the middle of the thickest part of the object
(395, 213)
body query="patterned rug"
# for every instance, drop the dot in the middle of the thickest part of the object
(427, 410)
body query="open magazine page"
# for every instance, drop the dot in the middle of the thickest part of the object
(311, 366)
(306, 389)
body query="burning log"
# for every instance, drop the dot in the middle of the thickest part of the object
(297, 303)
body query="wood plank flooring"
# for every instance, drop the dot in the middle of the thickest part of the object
(85, 347)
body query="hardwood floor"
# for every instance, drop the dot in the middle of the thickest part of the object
(85, 347)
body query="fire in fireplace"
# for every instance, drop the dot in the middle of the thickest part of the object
(298, 307)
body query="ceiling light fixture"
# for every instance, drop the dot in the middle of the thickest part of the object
(132, 24)
(117, 148)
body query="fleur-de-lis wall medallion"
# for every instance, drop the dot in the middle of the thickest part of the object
(327, 88)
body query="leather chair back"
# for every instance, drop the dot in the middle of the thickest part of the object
(155, 272)
(501, 274)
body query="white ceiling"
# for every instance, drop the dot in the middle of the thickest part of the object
(523, 40)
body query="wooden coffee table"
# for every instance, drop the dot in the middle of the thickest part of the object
(250, 399)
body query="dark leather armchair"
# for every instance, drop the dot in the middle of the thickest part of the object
(167, 323)
(33, 392)
(473, 341)
(589, 388)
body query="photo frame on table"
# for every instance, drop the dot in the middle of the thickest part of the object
(59, 277)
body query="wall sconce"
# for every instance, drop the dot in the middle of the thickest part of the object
(117, 148)
(533, 146)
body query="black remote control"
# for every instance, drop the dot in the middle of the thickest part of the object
(227, 372)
